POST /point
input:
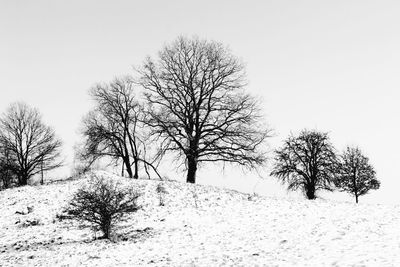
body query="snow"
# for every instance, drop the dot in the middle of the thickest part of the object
(198, 226)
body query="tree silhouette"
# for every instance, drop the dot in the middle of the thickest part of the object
(33, 145)
(8, 166)
(306, 162)
(355, 175)
(197, 107)
(111, 129)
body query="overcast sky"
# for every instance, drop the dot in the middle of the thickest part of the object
(327, 65)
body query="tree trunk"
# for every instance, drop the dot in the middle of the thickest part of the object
(23, 179)
(310, 195)
(129, 170)
(310, 192)
(41, 172)
(128, 166)
(136, 175)
(106, 227)
(355, 184)
(192, 169)
(125, 158)
(132, 143)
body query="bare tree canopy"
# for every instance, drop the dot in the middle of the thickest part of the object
(355, 175)
(111, 128)
(32, 145)
(197, 106)
(306, 162)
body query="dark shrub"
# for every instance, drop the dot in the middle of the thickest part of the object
(102, 202)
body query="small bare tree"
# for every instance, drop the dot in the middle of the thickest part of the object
(111, 128)
(8, 166)
(355, 175)
(161, 191)
(197, 107)
(102, 202)
(306, 162)
(32, 144)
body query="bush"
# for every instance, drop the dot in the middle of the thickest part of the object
(102, 202)
(161, 191)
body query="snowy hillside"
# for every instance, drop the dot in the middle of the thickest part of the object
(199, 226)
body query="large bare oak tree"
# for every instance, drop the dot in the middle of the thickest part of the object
(197, 106)
(306, 162)
(31, 144)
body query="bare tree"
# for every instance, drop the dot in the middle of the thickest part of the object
(111, 128)
(355, 174)
(197, 107)
(306, 162)
(32, 144)
(7, 168)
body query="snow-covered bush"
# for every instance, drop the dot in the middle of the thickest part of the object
(102, 202)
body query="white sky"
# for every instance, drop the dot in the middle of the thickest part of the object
(327, 65)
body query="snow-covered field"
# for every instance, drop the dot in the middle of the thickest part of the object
(199, 226)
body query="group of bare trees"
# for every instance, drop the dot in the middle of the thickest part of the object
(309, 162)
(194, 107)
(27, 145)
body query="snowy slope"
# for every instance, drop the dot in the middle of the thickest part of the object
(199, 226)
